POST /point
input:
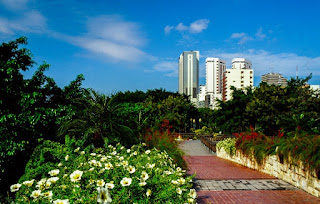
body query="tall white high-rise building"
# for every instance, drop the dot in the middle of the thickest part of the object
(215, 68)
(239, 76)
(189, 74)
(202, 96)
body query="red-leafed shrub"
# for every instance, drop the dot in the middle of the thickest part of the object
(164, 140)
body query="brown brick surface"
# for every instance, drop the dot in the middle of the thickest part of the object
(261, 197)
(215, 168)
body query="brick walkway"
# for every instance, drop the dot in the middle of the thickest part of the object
(221, 181)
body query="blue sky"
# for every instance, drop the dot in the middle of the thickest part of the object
(128, 45)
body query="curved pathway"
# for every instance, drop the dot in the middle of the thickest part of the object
(222, 181)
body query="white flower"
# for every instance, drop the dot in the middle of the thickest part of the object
(101, 171)
(148, 193)
(103, 159)
(179, 191)
(91, 169)
(82, 152)
(179, 169)
(174, 182)
(114, 153)
(108, 166)
(103, 196)
(131, 169)
(121, 158)
(92, 162)
(128, 150)
(15, 187)
(28, 183)
(148, 152)
(54, 172)
(126, 181)
(135, 153)
(66, 201)
(151, 165)
(144, 175)
(41, 183)
(67, 157)
(181, 181)
(125, 163)
(144, 144)
(47, 194)
(35, 194)
(167, 172)
(100, 183)
(192, 193)
(77, 150)
(110, 185)
(60, 164)
(53, 179)
(190, 200)
(93, 154)
(143, 183)
(122, 147)
(76, 176)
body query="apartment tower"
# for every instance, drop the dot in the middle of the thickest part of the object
(189, 74)
(239, 76)
(215, 68)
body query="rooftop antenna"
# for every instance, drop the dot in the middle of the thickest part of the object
(297, 71)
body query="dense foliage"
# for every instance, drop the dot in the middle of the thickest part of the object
(270, 107)
(31, 109)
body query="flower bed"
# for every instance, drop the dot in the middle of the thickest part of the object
(293, 158)
(108, 175)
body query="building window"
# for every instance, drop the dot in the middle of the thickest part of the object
(241, 82)
(241, 72)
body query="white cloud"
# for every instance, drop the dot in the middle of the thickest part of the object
(110, 49)
(167, 29)
(180, 27)
(169, 67)
(264, 62)
(243, 37)
(237, 35)
(195, 27)
(112, 38)
(14, 4)
(199, 25)
(31, 22)
(114, 28)
(260, 34)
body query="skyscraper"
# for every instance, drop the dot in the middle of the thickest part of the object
(215, 69)
(189, 74)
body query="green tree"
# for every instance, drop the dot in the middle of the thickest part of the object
(231, 115)
(31, 109)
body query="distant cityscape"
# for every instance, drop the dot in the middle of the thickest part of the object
(219, 79)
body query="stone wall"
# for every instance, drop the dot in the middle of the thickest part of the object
(292, 174)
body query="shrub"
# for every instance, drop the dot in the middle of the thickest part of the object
(117, 174)
(229, 145)
(164, 140)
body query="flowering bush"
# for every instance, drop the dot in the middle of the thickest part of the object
(296, 149)
(165, 140)
(109, 175)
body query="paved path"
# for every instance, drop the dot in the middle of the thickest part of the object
(221, 181)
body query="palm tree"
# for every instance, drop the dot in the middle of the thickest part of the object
(95, 123)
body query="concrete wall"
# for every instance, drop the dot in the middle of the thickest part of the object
(292, 174)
